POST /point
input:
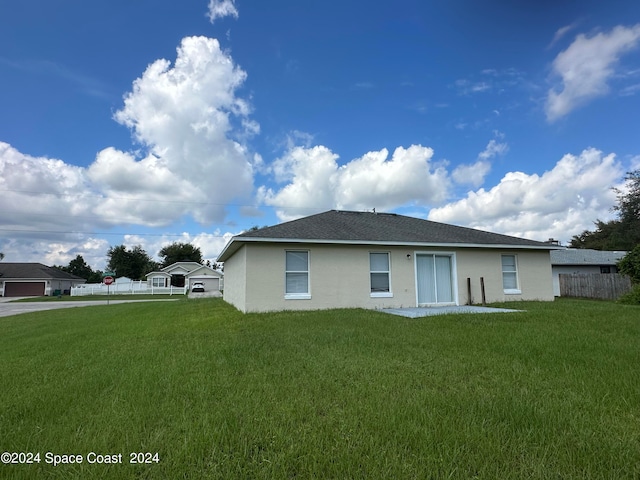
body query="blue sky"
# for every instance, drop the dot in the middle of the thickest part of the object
(153, 122)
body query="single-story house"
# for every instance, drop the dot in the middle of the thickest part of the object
(34, 280)
(379, 260)
(184, 274)
(582, 261)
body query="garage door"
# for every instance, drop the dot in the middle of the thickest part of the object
(215, 284)
(23, 289)
(210, 284)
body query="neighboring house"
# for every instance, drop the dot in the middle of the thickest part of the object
(582, 261)
(379, 260)
(184, 274)
(34, 280)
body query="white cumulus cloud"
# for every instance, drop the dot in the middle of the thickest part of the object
(317, 182)
(474, 174)
(493, 149)
(585, 68)
(560, 203)
(133, 189)
(192, 127)
(43, 194)
(221, 8)
(471, 174)
(187, 116)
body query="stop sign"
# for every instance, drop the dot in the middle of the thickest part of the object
(107, 280)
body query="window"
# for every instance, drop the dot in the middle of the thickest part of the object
(297, 274)
(379, 274)
(510, 274)
(605, 269)
(158, 282)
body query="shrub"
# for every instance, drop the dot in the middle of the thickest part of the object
(632, 297)
(630, 264)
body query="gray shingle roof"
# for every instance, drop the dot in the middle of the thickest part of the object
(354, 227)
(33, 271)
(576, 256)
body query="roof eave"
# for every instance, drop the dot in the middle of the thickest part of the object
(236, 242)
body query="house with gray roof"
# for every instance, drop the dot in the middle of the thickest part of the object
(582, 261)
(34, 280)
(345, 259)
(184, 274)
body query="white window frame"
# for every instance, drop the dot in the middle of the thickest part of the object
(510, 291)
(155, 280)
(388, 294)
(303, 295)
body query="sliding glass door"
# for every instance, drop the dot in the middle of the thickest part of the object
(434, 278)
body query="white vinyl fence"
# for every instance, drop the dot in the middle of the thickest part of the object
(127, 287)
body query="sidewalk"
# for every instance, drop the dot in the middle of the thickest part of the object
(8, 308)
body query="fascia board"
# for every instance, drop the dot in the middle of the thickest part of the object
(235, 243)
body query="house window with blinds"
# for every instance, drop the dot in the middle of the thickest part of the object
(297, 275)
(510, 274)
(379, 274)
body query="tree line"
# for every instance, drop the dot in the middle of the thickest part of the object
(135, 262)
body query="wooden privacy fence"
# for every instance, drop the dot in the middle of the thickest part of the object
(604, 286)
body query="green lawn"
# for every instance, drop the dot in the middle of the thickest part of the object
(553, 392)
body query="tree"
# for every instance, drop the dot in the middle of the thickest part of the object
(607, 236)
(134, 263)
(213, 265)
(179, 252)
(630, 264)
(1, 256)
(628, 208)
(80, 268)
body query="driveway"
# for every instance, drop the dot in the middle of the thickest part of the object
(8, 307)
(207, 294)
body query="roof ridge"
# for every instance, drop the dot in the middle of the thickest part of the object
(362, 212)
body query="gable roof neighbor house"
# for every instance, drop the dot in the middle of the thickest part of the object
(379, 260)
(582, 261)
(34, 279)
(184, 274)
(586, 256)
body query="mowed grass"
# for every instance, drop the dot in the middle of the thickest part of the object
(553, 392)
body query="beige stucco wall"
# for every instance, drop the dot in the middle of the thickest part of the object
(234, 279)
(534, 275)
(339, 276)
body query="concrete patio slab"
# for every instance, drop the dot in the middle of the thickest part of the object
(417, 312)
